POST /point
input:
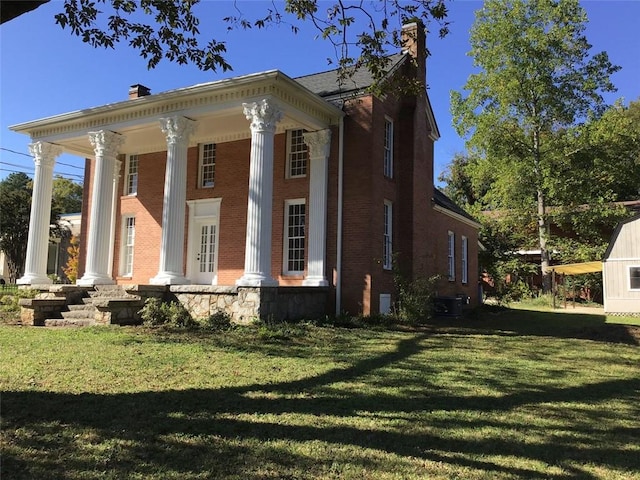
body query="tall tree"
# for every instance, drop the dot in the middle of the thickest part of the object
(66, 196)
(171, 29)
(536, 80)
(15, 192)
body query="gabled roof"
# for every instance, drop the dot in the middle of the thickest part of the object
(448, 206)
(616, 233)
(328, 85)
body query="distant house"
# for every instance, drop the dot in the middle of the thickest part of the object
(264, 184)
(621, 269)
(69, 225)
(57, 255)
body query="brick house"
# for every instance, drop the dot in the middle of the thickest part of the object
(262, 182)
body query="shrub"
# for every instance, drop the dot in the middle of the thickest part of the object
(10, 302)
(415, 298)
(172, 314)
(217, 321)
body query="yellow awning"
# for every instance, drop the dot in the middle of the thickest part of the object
(576, 268)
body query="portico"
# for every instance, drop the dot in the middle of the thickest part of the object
(255, 108)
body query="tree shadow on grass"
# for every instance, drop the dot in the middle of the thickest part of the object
(243, 432)
(541, 323)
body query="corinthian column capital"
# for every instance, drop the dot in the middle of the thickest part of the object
(264, 115)
(44, 153)
(105, 142)
(318, 142)
(177, 129)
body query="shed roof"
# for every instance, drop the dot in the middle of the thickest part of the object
(577, 268)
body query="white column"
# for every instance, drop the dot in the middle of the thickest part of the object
(35, 269)
(264, 116)
(114, 209)
(319, 144)
(105, 145)
(171, 269)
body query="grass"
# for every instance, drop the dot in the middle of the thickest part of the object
(508, 394)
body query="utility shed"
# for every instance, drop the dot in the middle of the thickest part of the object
(621, 269)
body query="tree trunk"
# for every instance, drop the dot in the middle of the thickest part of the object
(542, 239)
(543, 228)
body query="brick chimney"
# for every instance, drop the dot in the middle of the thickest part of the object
(137, 91)
(414, 42)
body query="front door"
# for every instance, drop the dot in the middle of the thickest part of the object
(205, 255)
(202, 253)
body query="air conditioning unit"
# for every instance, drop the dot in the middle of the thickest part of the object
(448, 306)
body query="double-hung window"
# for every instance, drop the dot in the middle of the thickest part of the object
(294, 236)
(451, 256)
(131, 175)
(388, 148)
(207, 165)
(297, 154)
(464, 263)
(126, 250)
(387, 241)
(634, 278)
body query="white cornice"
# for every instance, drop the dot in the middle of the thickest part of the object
(201, 98)
(457, 216)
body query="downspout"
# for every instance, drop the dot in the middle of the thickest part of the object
(339, 229)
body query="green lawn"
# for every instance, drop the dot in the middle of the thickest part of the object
(506, 394)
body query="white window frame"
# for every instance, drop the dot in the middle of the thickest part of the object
(127, 244)
(202, 181)
(297, 154)
(464, 260)
(387, 236)
(631, 287)
(388, 148)
(451, 255)
(286, 254)
(131, 175)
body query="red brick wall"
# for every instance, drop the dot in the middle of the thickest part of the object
(418, 236)
(438, 243)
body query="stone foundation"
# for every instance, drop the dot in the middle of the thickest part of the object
(243, 304)
(247, 304)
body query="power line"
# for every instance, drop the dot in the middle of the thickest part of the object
(31, 156)
(68, 176)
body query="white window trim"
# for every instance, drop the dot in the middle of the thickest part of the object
(629, 276)
(125, 246)
(289, 144)
(464, 261)
(201, 166)
(387, 236)
(127, 175)
(388, 148)
(285, 236)
(451, 255)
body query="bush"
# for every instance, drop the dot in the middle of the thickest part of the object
(415, 298)
(9, 302)
(171, 314)
(217, 321)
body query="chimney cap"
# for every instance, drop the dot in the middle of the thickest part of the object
(138, 90)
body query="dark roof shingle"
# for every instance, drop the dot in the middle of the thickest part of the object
(328, 84)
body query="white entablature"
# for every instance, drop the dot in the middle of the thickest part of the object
(215, 106)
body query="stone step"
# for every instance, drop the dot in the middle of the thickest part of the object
(78, 314)
(110, 291)
(82, 307)
(63, 322)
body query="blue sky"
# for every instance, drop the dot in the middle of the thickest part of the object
(45, 71)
